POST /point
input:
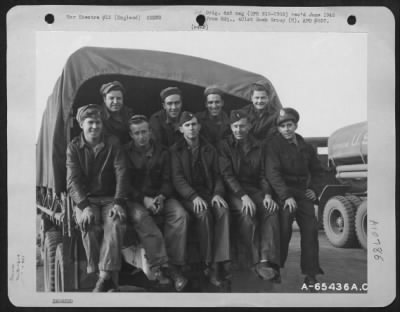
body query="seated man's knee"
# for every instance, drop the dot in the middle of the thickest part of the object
(220, 212)
(181, 215)
(202, 215)
(138, 213)
(247, 219)
(175, 211)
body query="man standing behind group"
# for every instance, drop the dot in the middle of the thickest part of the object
(261, 113)
(290, 163)
(214, 121)
(149, 165)
(97, 181)
(116, 114)
(242, 167)
(196, 178)
(165, 122)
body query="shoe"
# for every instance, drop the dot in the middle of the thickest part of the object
(213, 277)
(226, 272)
(264, 271)
(160, 277)
(180, 281)
(277, 278)
(104, 285)
(310, 282)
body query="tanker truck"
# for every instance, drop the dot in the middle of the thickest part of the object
(344, 205)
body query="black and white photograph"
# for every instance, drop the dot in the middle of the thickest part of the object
(196, 163)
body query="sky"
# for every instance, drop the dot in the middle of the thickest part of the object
(322, 75)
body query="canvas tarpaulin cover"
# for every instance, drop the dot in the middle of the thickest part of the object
(90, 62)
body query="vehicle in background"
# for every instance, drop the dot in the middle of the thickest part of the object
(343, 205)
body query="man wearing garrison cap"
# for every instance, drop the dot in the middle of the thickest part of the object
(293, 169)
(164, 123)
(214, 121)
(116, 114)
(261, 113)
(196, 178)
(249, 196)
(97, 183)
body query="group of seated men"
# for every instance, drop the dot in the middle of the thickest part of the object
(192, 170)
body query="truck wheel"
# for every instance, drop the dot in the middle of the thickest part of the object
(42, 238)
(355, 200)
(52, 239)
(339, 222)
(361, 224)
(59, 269)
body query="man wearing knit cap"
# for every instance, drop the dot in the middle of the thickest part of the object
(196, 178)
(214, 121)
(165, 123)
(249, 194)
(261, 114)
(151, 192)
(116, 114)
(97, 183)
(293, 169)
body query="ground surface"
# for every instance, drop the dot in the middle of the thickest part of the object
(340, 265)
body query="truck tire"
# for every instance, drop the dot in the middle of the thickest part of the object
(361, 224)
(59, 269)
(52, 239)
(355, 200)
(339, 222)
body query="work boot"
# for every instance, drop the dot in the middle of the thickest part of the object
(213, 275)
(104, 285)
(180, 281)
(264, 271)
(226, 272)
(277, 278)
(160, 277)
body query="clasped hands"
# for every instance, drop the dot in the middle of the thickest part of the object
(154, 204)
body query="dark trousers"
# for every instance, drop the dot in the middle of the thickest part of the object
(103, 241)
(149, 234)
(305, 217)
(212, 228)
(174, 221)
(259, 233)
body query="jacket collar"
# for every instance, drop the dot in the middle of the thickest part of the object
(299, 139)
(249, 143)
(181, 143)
(155, 148)
(83, 142)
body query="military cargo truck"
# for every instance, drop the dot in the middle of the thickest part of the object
(144, 74)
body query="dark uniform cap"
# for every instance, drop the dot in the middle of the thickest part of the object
(236, 115)
(169, 91)
(213, 90)
(113, 85)
(185, 117)
(286, 114)
(90, 110)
